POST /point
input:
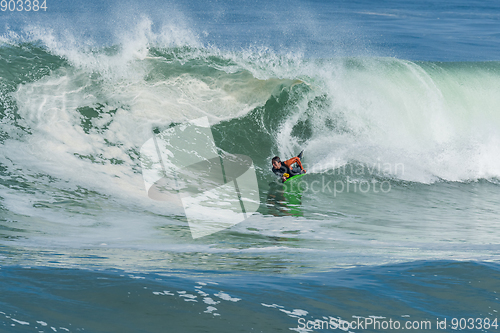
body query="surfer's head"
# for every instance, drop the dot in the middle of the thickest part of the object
(276, 162)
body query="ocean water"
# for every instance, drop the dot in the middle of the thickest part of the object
(394, 228)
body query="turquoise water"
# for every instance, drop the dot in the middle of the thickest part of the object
(394, 103)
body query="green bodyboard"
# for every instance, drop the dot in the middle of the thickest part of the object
(295, 177)
(293, 194)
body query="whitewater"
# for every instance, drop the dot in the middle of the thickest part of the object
(395, 219)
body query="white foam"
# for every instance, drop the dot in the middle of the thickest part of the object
(210, 301)
(439, 123)
(210, 309)
(226, 297)
(20, 321)
(164, 293)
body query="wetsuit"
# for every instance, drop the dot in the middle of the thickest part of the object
(285, 167)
